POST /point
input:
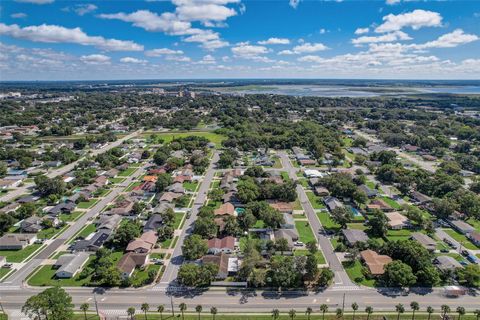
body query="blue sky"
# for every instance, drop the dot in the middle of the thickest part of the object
(167, 39)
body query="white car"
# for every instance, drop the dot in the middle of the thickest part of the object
(299, 244)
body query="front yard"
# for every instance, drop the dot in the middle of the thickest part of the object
(304, 231)
(316, 201)
(19, 255)
(461, 239)
(87, 204)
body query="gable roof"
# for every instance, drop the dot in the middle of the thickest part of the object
(129, 261)
(225, 209)
(226, 242)
(374, 261)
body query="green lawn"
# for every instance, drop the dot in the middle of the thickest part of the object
(461, 239)
(215, 184)
(391, 203)
(169, 136)
(127, 172)
(87, 204)
(19, 255)
(166, 244)
(88, 229)
(354, 271)
(304, 231)
(140, 277)
(303, 182)
(50, 232)
(319, 255)
(316, 202)
(474, 223)
(72, 216)
(285, 176)
(156, 255)
(300, 315)
(297, 205)
(116, 180)
(190, 186)
(45, 276)
(133, 185)
(178, 220)
(102, 193)
(4, 272)
(278, 163)
(357, 226)
(327, 221)
(394, 235)
(370, 184)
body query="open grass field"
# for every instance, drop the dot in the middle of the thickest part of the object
(116, 180)
(461, 239)
(304, 231)
(19, 255)
(316, 202)
(169, 136)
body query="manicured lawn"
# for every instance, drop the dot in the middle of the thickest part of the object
(215, 184)
(357, 226)
(285, 176)
(190, 186)
(327, 221)
(319, 255)
(354, 271)
(87, 204)
(394, 235)
(116, 180)
(50, 232)
(178, 219)
(166, 244)
(72, 216)
(461, 239)
(140, 277)
(4, 272)
(304, 231)
(102, 193)
(211, 136)
(156, 255)
(278, 163)
(474, 223)
(297, 205)
(127, 172)
(316, 202)
(87, 230)
(303, 182)
(19, 255)
(391, 203)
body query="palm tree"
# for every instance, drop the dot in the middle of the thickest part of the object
(213, 311)
(308, 312)
(183, 308)
(415, 307)
(339, 312)
(275, 314)
(369, 311)
(477, 313)
(131, 312)
(160, 310)
(199, 309)
(400, 309)
(445, 309)
(323, 308)
(145, 307)
(84, 307)
(461, 312)
(292, 313)
(354, 308)
(430, 310)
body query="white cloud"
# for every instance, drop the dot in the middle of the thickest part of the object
(449, 40)
(133, 60)
(58, 34)
(274, 41)
(309, 47)
(387, 37)
(82, 9)
(208, 59)
(286, 52)
(200, 11)
(251, 52)
(362, 31)
(178, 58)
(18, 15)
(415, 20)
(162, 52)
(392, 2)
(36, 1)
(294, 3)
(95, 59)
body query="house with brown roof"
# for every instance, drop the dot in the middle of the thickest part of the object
(283, 207)
(224, 245)
(474, 236)
(375, 262)
(131, 260)
(380, 205)
(122, 207)
(226, 209)
(16, 241)
(221, 261)
(150, 179)
(396, 220)
(321, 191)
(144, 243)
(169, 197)
(426, 242)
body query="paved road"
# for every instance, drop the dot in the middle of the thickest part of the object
(341, 277)
(441, 234)
(17, 278)
(27, 188)
(172, 268)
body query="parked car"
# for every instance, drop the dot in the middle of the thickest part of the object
(299, 244)
(7, 266)
(465, 253)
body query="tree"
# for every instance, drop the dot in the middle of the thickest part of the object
(145, 307)
(161, 309)
(248, 190)
(415, 307)
(275, 314)
(6, 221)
(461, 312)
(312, 247)
(281, 245)
(194, 247)
(339, 312)
(398, 274)
(193, 275)
(292, 314)
(160, 157)
(47, 186)
(308, 312)
(198, 309)
(53, 303)
(325, 276)
(84, 307)
(323, 309)
(205, 227)
(131, 312)
(311, 268)
(477, 313)
(126, 233)
(354, 308)
(341, 216)
(470, 274)
(183, 308)
(369, 311)
(138, 207)
(213, 311)
(430, 310)
(445, 309)
(163, 181)
(400, 309)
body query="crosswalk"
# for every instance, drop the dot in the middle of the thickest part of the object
(9, 288)
(346, 288)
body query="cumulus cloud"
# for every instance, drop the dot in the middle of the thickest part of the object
(387, 37)
(362, 31)
(95, 59)
(83, 9)
(392, 2)
(178, 58)
(162, 52)
(57, 34)
(208, 59)
(449, 40)
(133, 60)
(294, 3)
(274, 41)
(18, 15)
(415, 20)
(251, 52)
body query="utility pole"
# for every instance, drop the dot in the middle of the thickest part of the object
(171, 303)
(343, 303)
(96, 303)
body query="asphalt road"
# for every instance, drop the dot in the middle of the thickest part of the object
(27, 188)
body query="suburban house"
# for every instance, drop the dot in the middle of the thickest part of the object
(112, 173)
(232, 198)
(153, 223)
(396, 221)
(93, 243)
(283, 207)
(445, 263)
(64, 207)
(371, 193)
(177, 187)
(169, 197)
(108, 222)
(70, 264)
(221, 260)
(419, 198)
(16, 241)
(122, 207)
(224, 245)
(375, 262)
(332, 203)
(321, 191)
(379, 204)
(461, 226)
(31, 224)
(291, 235)
(226, 209)
(353, 236)
(144, 243)
(427, 242)
(474, 236)
(131, 260)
